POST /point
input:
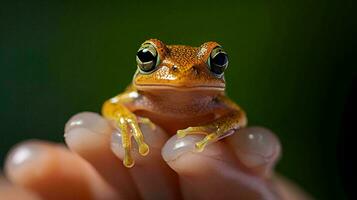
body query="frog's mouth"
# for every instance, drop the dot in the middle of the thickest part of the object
(180, 87)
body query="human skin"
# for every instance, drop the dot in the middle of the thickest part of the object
(90, 167)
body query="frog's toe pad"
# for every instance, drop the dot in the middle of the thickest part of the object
(128, 162)
(144, 149)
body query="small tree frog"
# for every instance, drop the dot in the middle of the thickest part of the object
(179, 88)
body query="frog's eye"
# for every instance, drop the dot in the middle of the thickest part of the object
(147, 58)
(218, 61)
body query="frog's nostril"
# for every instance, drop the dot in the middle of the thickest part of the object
(195, 70)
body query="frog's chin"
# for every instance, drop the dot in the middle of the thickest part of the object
(181, 88)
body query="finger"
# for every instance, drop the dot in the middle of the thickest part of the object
(88, 134)
(214, 173)
(154, 179)
(53, 173)
(12, 192)
(257, 148)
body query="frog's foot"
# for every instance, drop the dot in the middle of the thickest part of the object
(128, 126)
(209, 131)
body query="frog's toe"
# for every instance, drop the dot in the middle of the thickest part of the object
(139, 138)
(128, 160)
(181, 133)
(193, 131)
(200, 146)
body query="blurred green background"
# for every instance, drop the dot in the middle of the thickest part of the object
(289, 67)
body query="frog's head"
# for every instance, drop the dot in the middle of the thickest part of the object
(178, 67)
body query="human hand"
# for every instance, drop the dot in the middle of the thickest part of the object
(241, 167)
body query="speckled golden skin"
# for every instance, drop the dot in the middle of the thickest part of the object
(181, 96)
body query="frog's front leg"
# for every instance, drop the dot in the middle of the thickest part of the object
(218, 129)
(127, 122)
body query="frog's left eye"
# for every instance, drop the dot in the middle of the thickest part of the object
(218, 61)
(147, 58)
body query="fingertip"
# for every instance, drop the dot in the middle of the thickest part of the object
(154, 138)
(24, 155)
(87, 130)
(149, 164)
(81, 140)
(214, 173)
(257, 148)
(53, 172)
(88, 135)
(182, 155)
(177, 146)
(88, 120)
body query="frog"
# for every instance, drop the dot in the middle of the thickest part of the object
(179, 88)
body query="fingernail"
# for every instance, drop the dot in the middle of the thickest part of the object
(176, 147)
(88, 120)
(256, 147)
(80, 138)
(116, 144)
(21, 155)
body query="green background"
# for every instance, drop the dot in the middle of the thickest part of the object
(289, 67)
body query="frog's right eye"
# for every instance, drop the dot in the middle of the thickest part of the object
(147, 58)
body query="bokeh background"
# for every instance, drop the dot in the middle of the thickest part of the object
(291, 68)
